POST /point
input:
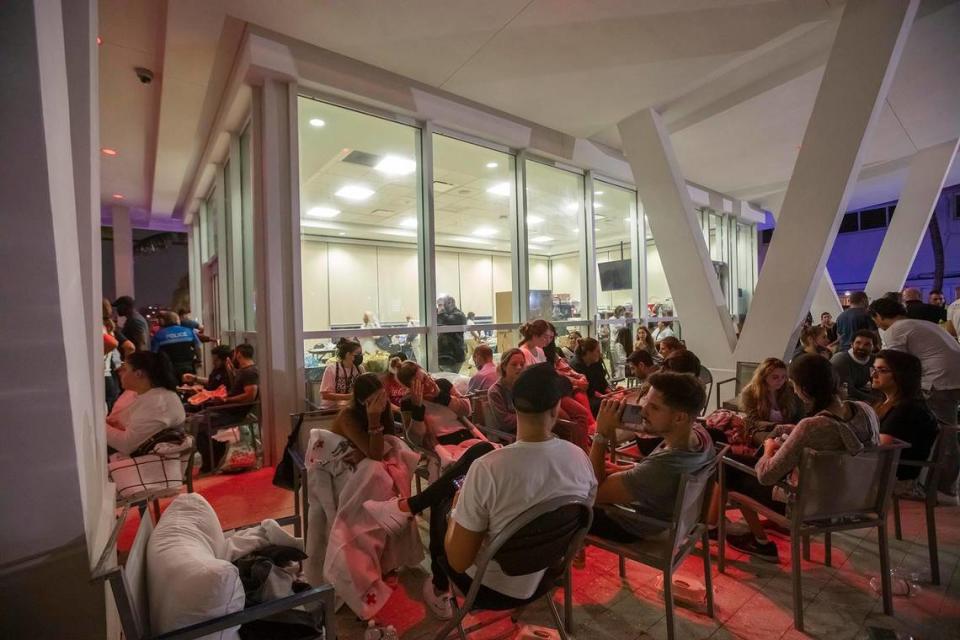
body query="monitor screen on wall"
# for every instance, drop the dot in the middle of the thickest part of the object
(614, 275)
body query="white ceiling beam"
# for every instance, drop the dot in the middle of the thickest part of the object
(855, 83)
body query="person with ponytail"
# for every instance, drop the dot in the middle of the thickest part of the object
(834, 425)
(588, 360)
(536, 335)
(336, 386)
(156, 407)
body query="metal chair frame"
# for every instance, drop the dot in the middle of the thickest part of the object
(678, 544)
(128, 582)
(935, 463)
(493, 548)
(204, 420)
(802, 523)
(738, 379)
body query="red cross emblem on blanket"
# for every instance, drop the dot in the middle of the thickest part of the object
(370, 598)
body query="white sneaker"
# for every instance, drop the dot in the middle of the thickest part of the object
(439, 604)
(388, 515)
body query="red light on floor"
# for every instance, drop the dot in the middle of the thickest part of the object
(109, 152)
(118, 196)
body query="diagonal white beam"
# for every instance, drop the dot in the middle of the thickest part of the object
(707, 327)
(928, 171)
(855, 82)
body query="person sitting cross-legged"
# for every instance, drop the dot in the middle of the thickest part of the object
(497, 486)
(669, 409)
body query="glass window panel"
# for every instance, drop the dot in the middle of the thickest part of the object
(615, 272)
(659, 300)
(246, 223)
(554, 242)
(213, 223)
(474, 190)
(360, 204)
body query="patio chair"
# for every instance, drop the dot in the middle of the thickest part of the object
(740, 380)
(934, 465)
(687, 527)
(544, 538)
(817, 506)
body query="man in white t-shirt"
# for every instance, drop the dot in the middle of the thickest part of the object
(499, 486)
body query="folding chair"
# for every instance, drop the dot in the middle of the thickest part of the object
(486, 422)
(935, 466)
(706, 379)
(817, 506)
(683, 531)
(544, 538)
(129, 586)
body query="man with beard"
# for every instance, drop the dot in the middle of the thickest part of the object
(852, 367)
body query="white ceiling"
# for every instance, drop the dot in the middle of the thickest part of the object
(736, 79)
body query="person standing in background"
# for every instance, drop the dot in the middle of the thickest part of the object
(854, 319)
(135, 328)
(450, 346)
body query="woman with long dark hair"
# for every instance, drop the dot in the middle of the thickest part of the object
(903, 412)
(588, 360)
(644, 342)
(367, 418)
(156, 407)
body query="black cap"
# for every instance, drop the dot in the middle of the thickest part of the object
(127, 300)
(539, 388)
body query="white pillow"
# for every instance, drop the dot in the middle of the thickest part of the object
(187, 582)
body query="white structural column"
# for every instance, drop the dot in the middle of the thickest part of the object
(707, 327)
(276, 233)
(928, 171)
(52, 463)
(122, 251)
(825, 297)
(859, 70)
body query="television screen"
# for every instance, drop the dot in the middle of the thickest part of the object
(614, 275)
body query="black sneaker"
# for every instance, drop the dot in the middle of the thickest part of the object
(747, 543)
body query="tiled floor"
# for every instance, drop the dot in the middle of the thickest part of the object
(753, 598)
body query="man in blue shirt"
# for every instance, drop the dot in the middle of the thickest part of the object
(181, 344)
(855, 318)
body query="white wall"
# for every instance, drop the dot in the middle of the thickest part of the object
(657, 288)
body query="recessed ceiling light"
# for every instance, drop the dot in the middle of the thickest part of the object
(598, 193)
(492, 165)
(541, 239)
(354, 192)
(396, 166)
(571, 206)
(342, 233)
(409, 223)
(108, 152)
(484, 232)
(323, 212)
(316, 122)
(534, 219)
(500, 189)
(627, 219)
(118, 196)
(599, 217)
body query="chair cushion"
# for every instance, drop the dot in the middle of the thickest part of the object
(187, 581)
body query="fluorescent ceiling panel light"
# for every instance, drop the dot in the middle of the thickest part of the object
(397, 232)
(396, 166)
(541, 239)
(354, 192)
(484, 232)
(571, 206)
(323, 212)
(316, 224)
(534, 219)
(598, 193)
(409, 223)
(469, 240)
(500, 189)
(316, 122)
(492, 165)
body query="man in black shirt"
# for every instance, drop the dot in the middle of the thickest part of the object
(135, 329)
(243, 392)
(917, 309)
(219, 376)
(450, 346)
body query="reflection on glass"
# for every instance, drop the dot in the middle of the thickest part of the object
(613, 208)
(554, 242)
(359, 200)
(659, 300)
(474, 194)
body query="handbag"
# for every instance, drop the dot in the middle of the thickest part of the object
(285, 474)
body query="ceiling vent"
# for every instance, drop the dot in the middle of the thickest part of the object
(362, 158)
